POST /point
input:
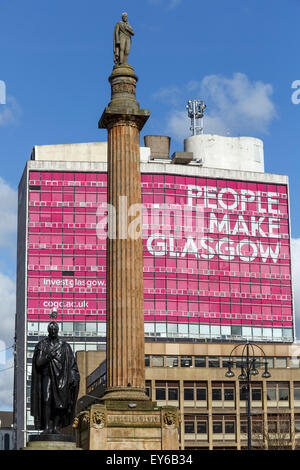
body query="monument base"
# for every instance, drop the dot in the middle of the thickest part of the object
(51, 442)
(124, 425)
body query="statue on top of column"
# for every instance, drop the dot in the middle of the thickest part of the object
(122, 40)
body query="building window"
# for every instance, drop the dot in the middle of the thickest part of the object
(226, 362)
(229, 427)
(188, 394)
(213, 361)
(160, 393)
(258, 361)
(271, 393)
(257, 425)
(281, 362)
(256, 394)
(283, 393)
(201, 394)
(270, 362)
(147, 361)
(243, 393)
(278, 424)
(284, 425)
(172, 361)
(236, 330)
(297, 423)
(189, 427)
(272, 426)
(201, 427)
(216, 394)
(200, 361)
(157, 361)
(244, 427)
(240, 362)
(278, 392)
(228, 394)
(217, 427)
(173, 394)
(297, 391)
(294, 362)
(186, 361)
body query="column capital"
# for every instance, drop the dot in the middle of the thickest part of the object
(111, 118)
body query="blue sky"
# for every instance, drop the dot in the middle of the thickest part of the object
(240, 56)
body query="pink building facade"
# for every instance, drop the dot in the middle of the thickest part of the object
(216, 254)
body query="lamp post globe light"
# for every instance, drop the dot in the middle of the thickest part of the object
(248, 369)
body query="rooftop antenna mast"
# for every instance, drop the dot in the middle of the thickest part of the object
(196, 112)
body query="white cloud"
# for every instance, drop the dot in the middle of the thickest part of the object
(7, 309)
(170, 95)
(8, 215)
(9, 112)
(6, 386)
(235, 106)
(8, 229)
(296, 281)
(178, 125)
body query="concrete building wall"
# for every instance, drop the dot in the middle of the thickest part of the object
(81, 152)
(187, 376)
(230, 153)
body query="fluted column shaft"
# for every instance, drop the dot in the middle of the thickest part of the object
(125, 302)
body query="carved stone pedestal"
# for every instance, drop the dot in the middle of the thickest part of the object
(119, 425)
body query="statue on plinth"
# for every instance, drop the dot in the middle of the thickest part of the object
(122, 40)
(54, 383)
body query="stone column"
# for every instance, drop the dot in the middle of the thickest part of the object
(124, 119)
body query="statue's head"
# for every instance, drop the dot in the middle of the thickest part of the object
(125, 17)
(53, 329)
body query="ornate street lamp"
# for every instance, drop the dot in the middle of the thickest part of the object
(248, 369)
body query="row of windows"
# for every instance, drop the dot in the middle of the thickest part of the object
(276, 392)
(227, 425)
(201, 427)
(89, 328)
(219, 361)
(73, 328)
(234, 268)
(60, 176)
(224, 287)
(216, 331)
(176, 306)
(69, 328)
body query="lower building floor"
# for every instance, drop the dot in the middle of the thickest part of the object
(213, 406)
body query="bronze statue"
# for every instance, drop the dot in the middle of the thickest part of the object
(122, 40)
(54, 383)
